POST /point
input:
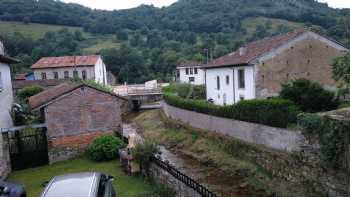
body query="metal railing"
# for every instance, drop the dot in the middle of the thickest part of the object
(202, 190)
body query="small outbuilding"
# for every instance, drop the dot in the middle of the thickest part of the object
(75, 114)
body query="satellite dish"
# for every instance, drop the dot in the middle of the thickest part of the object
(2, 49)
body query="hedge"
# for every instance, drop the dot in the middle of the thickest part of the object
(274, 112)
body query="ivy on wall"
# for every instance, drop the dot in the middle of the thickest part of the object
(333, 135)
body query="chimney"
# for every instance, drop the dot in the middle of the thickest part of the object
(242, 51)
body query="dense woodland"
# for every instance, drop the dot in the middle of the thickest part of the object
(153, 40)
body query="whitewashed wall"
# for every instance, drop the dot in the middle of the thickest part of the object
(97, 72)
(6, 100)
(199, 78)
(229, 93)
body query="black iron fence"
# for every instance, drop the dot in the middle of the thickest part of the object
(202, 190)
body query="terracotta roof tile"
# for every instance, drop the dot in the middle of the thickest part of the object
(66, 61)
(254, 50)
(50, 94)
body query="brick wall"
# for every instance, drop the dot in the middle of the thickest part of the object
(68, 147)
(77, 118)
(309, 58)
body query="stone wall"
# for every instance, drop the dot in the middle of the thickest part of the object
(163, 177)
(309, 57)
(271, 137)
(5, 165)
(293, 162)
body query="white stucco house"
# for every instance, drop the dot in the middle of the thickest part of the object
(190, 72)
(85, 67)
(257, 70)
(6, 101)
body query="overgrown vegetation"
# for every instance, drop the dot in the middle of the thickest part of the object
(147, 42)
(220, 156)
(333, 135)
(309, 96)
(185, 90)
(104, 148)
(273, 112)
(29, 91)
(94, 84)
(143, 153)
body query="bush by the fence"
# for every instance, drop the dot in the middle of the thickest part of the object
(185, 90)
(274, 112)
(104, 148)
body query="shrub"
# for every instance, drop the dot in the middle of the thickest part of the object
(185, 90)
(309, 96)
(104, 148)
(274, 112)
(144, 152)
(29, 91)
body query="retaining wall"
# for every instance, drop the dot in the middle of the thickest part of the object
(5, 166)
(163, 177)
(271, 137)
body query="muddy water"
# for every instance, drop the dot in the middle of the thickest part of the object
(221, 183)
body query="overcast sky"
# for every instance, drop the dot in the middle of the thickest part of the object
(124, 4)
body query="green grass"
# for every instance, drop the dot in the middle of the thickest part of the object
(33, 30)
(93, 43)
(126, 186)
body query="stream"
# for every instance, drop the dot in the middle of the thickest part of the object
(216, 180)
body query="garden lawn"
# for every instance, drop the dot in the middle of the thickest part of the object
(125, 186)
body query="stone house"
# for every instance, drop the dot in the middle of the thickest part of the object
(6, 100)
(85, 67)
(257, 69)
(75, 114)
(190, 72)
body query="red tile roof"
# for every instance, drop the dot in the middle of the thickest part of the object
(254, 50)
(20, 77)
(66, 61)
(50, 94)
(55, 92)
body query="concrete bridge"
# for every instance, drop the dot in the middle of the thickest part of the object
(140, 94)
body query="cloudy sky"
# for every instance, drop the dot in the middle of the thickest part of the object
(124, 4)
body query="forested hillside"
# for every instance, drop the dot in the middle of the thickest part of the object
(147, 42)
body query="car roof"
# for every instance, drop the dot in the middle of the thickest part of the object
(73, 185)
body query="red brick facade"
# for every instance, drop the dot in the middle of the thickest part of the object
(76, 118)
(67, 147)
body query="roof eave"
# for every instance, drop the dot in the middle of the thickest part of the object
(8, 60)
(225, 65)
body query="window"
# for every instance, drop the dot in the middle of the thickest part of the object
(75, 74)
(187, 71)
(43, 76)
(83, 74)
(55, 75)
(227, 80)
(218, 82)
(191, 79)
(191, 71)
(241, 79)
(195, 70)
(66, 74)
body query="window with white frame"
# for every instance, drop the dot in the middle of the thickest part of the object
(241, 79)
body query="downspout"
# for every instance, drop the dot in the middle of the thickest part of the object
(233, 84)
